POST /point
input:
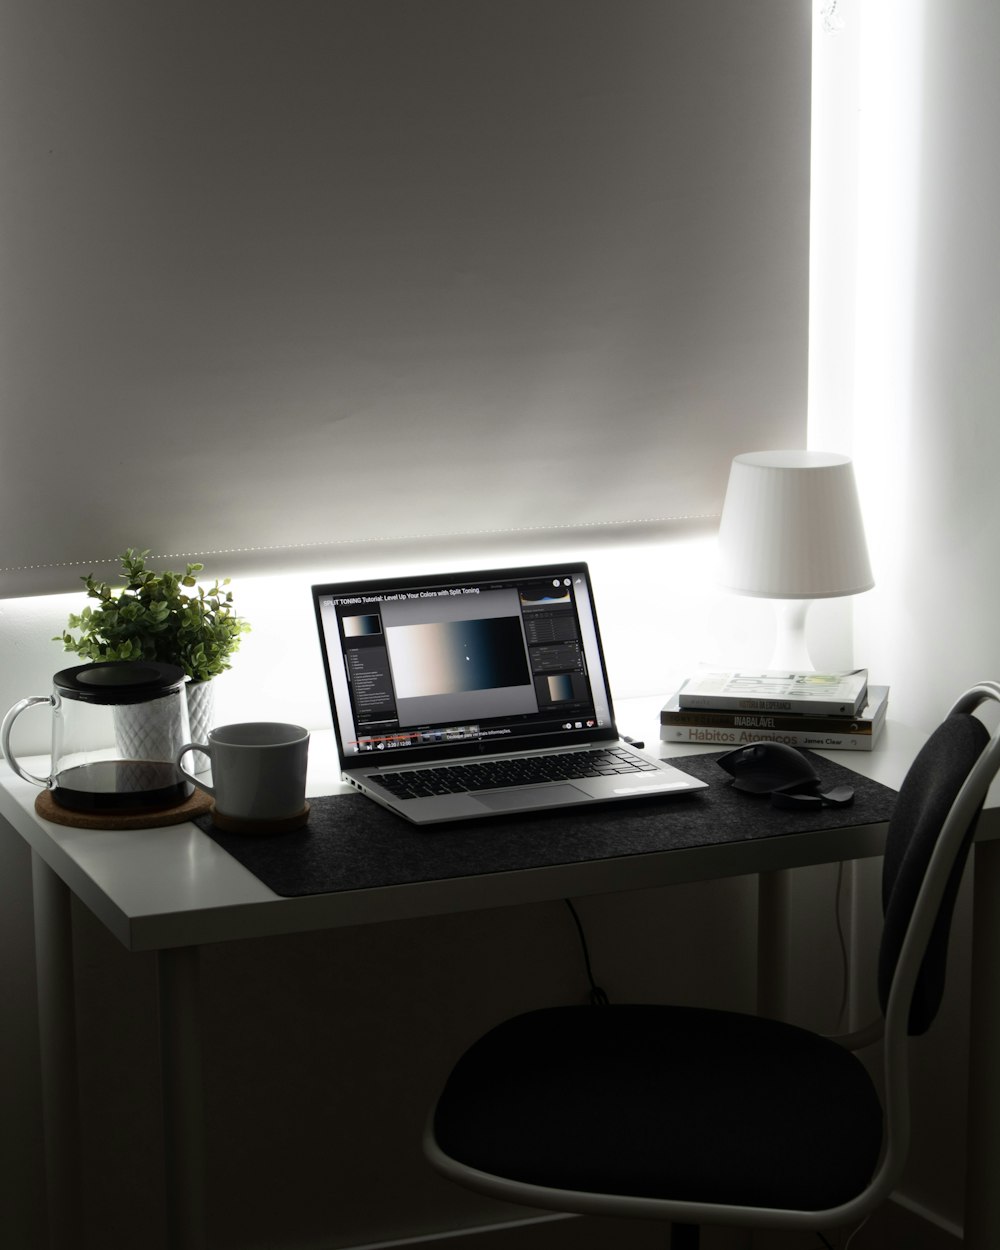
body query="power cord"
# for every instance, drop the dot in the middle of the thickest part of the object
(598, 997)
(845, 963)
(853, 1233)
(856, 1231)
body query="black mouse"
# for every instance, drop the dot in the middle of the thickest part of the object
(783, 772)
(763, 767)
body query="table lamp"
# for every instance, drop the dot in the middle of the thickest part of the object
(791, 531)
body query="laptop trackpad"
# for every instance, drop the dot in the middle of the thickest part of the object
(526, 797)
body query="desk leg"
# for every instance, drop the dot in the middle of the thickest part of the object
(773, 930)
(982, 1194)
(183, 1101)
(57, 1045)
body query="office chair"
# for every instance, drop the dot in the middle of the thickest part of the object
(699, 1116)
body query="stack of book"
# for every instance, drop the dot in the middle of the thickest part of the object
(820, 710)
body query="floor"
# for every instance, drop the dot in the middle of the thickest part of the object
(892, 1228)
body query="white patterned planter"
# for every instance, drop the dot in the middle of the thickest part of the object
(153, 730)
(201, 714)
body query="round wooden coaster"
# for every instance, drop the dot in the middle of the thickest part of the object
(197, 805)
(234, 824)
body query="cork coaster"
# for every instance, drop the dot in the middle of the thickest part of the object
(197, 805)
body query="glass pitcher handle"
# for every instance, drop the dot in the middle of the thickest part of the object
(5, 728)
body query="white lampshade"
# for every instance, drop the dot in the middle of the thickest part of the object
(791, 527)
(791, 530)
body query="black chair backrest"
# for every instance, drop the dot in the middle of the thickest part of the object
(925, 798)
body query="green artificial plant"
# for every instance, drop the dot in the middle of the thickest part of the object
(164, 617)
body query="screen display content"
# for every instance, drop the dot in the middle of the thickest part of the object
(463, 661)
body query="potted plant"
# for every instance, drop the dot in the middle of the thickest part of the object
(165, 617)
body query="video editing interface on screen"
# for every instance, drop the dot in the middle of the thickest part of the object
(465, 662)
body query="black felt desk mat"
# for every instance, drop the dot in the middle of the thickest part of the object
(351, 843)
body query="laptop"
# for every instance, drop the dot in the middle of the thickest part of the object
(477, 694)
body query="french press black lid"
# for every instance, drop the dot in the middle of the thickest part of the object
(114, 682)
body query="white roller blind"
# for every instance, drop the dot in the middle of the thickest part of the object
(283, 274)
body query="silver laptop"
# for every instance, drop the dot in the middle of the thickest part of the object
(474, 694)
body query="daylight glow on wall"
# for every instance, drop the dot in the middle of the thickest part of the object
(867, 64)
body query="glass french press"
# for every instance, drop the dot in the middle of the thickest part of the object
(116, 730)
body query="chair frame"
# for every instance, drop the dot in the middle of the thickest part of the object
(893, 1029)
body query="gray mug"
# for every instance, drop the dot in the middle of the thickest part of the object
(258, 770)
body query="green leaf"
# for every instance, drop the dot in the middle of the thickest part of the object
(152, 617)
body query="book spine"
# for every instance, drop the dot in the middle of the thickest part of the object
(759, 706)
(702, 736)
(791, 721)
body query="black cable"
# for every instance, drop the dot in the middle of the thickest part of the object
(829, 1245)
(845, 962)
(598, 997)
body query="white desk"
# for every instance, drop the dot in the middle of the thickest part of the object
(176, 887)
(175, 890)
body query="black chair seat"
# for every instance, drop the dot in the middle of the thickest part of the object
(665, 1102)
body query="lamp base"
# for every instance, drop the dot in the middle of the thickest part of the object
(790, 651)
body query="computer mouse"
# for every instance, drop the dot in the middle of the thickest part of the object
(763, 767)
(783, 772)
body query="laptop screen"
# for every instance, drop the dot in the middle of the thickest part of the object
(463, 663)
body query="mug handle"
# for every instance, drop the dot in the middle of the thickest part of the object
(8, 724)
(195, 746)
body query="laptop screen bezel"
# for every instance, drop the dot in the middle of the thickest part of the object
(419, 754)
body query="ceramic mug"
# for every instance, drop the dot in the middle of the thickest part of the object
(258, 770)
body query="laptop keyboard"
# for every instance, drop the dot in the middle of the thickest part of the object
(524, 771)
